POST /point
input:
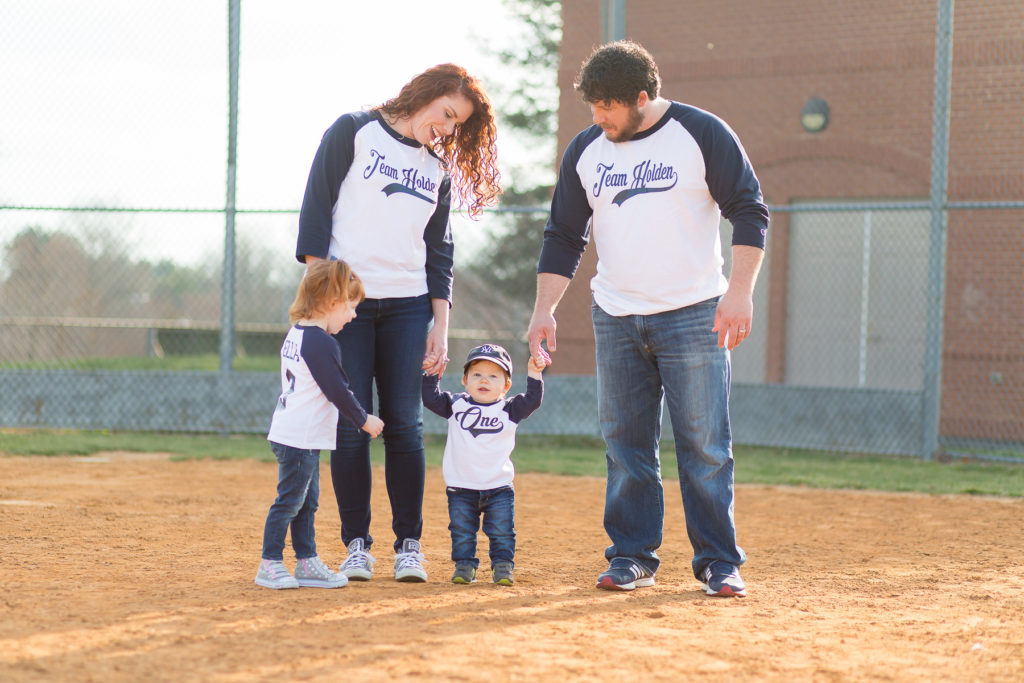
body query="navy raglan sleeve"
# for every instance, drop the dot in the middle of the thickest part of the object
(323, 357)
(568, 228)
(522, 406)
(330, 166)
(440, 247)
(437, 401)
(733, 184)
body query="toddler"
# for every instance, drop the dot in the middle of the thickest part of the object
(477, 464)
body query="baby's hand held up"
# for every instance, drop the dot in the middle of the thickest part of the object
(538, 363)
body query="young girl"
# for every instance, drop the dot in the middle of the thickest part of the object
(314, 390)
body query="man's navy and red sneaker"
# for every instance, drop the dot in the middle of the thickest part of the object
(722, 580)
(624, 574)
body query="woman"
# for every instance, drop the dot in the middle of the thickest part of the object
(378, 197)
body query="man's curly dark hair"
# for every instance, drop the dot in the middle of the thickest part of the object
(618, 72)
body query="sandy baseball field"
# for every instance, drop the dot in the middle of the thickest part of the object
(124, 567)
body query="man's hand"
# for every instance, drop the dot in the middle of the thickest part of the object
(550, 288)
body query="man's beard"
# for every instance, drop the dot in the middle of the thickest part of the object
(629, 129)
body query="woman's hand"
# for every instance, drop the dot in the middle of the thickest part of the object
(435, 360)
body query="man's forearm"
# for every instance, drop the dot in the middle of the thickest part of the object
(550, 289)
(746, 264)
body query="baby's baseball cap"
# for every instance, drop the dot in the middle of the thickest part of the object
(491, 352)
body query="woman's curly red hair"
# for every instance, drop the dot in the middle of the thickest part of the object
(470, 154)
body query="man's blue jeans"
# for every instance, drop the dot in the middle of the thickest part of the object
(384, 343)
(298, 493)
(498, 508)
(640, 360)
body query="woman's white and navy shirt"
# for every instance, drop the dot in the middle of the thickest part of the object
(380, 202)
(653, 204)
(314, 389)
(481, 436)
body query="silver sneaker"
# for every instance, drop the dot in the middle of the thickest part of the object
(409, 562)
(358, 566)
(272, 574)
(313, 573)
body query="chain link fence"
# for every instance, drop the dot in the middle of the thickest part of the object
(118, 248)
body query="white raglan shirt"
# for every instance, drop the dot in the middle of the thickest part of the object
(653, 205)
(481, 436)
(380, 202)
(313, 390)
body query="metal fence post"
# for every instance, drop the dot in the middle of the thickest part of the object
(227, 297)
(932, 395)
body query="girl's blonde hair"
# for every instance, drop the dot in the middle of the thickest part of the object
(324, 283)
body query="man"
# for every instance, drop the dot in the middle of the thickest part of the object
(650, 180)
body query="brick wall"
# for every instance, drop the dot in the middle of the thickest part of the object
(873, 62)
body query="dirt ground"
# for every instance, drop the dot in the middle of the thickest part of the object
(123, 567)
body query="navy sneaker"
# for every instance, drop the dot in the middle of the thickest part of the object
(722, 580)
(624, 574)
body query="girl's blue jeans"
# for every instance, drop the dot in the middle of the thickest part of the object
(298, 493)
(641, 360)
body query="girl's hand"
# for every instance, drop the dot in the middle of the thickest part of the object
(373, 426)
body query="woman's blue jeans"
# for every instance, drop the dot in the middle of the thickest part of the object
(383, 344)
(642, 359)
(298, 493)
(498, 509)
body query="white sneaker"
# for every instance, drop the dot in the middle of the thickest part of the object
(409, 562)
(313, 573)
(358, 566)
(272, 574)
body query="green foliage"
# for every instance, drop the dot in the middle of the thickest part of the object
(532, 54)
(528, 110)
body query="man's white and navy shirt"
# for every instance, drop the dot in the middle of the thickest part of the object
(380, 202)
(653, 204)
(314, 389)
(481, 436)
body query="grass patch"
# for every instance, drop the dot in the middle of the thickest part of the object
(579, 456)
(59, 442)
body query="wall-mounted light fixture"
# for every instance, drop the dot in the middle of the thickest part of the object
(814, 115)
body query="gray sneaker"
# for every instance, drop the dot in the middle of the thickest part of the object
(272, 574)
(409, 562)
(358, 566)
(313, 573)
(464, 573)
(501, 574)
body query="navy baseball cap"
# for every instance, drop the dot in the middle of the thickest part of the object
(491, 352)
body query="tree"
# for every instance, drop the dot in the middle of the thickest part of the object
(528, 110)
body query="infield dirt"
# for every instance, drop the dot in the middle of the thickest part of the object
(124, 567)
